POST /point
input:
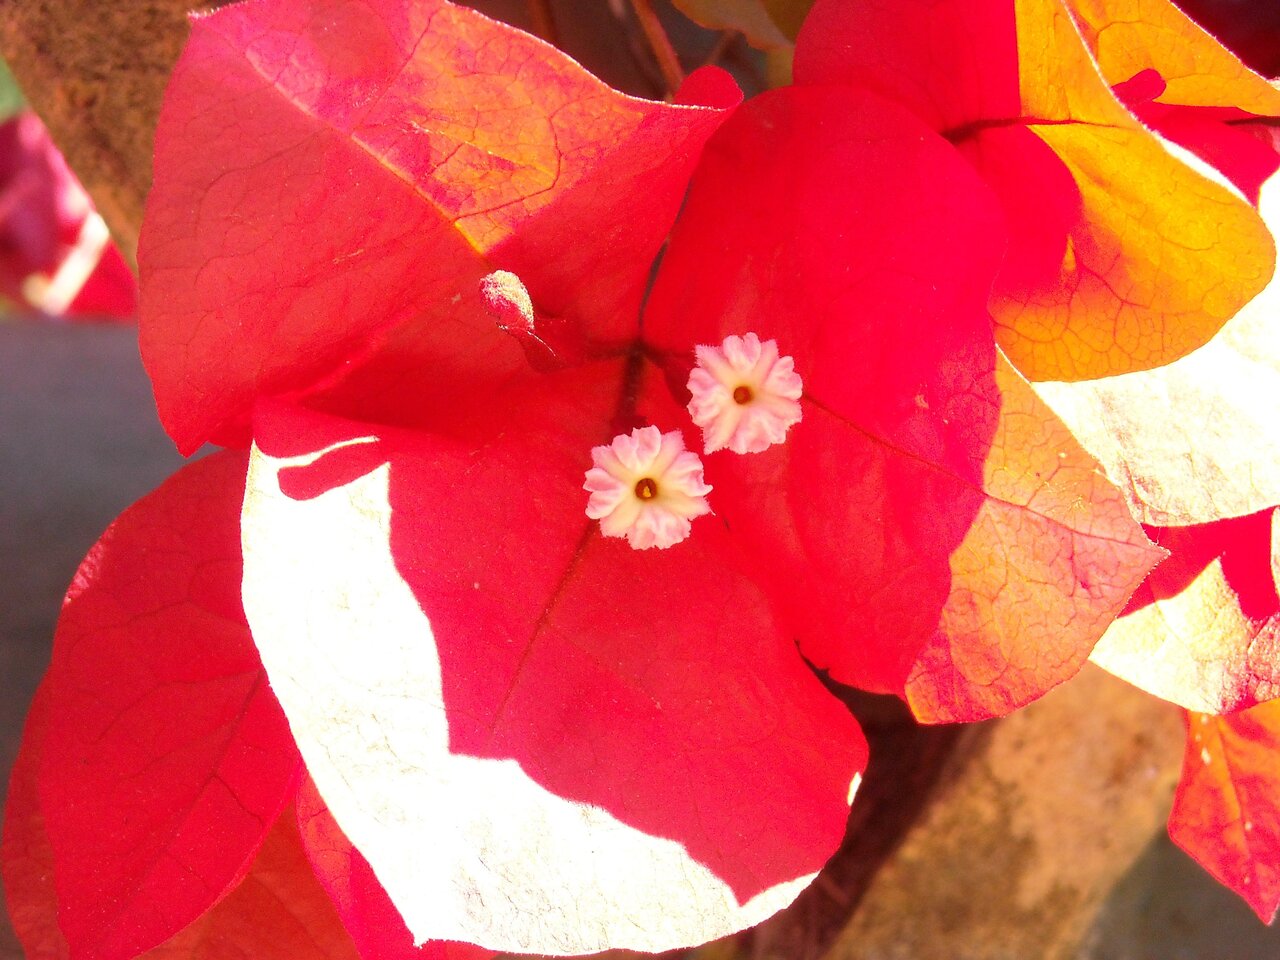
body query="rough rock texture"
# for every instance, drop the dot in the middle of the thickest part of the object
(95, 73)
(1034, 821)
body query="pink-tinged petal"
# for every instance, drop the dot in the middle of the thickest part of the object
(646, 487)
(166, 758)
(500, 705)
(745, 395)
(1203, 630)
(375, 160)
(366, 911)
(1226, 814)
(929, 528)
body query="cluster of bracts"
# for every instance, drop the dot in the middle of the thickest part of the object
(943, 369)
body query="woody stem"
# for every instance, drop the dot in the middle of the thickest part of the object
(660, 43)
(543, 21)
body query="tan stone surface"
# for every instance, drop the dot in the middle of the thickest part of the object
(95, 73)
(1037, 819)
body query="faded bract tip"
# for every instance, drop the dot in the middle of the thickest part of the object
(507, 299)
(745, 395)
(647, 487)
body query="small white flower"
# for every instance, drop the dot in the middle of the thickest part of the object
(745, 396)
(646, 487)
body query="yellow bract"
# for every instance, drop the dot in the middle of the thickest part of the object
(1161, 255)
(1129, 36)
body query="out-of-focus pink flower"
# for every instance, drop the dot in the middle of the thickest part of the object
(56, 254)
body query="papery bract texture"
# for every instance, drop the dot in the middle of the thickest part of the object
(367, 912)
(380, 159)
(1203, 631)
(1225, 811)
(1129, 36)
(1121, 256)
(1185, 85)
(277, 909)
(165, 758)
(502, 707)
(504, 711)
(1197, 440)
(932, 530)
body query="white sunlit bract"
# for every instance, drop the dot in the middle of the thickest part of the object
(745, 395)
(647, 487)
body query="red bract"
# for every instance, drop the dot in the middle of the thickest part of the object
(56, 255)
(1225, 813)
(335, 258)
(920, 499)
(160, 723)
(1121, 257)
(368, 176)
(276, 909)
(534, 737)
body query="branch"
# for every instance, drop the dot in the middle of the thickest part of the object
(668, 61)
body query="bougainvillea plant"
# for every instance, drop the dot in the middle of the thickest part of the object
(564, 434)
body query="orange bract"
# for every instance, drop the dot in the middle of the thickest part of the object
(1224, 814)
(995, 649)
(1129, 36)
(1161, 256)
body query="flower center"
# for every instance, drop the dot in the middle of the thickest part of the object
(647, 487)
(743, 394)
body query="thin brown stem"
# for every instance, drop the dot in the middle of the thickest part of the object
(660, 43)
(723, 44)
(544, 21)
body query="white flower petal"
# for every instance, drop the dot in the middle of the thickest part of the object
(674, 479)
(745, 395)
